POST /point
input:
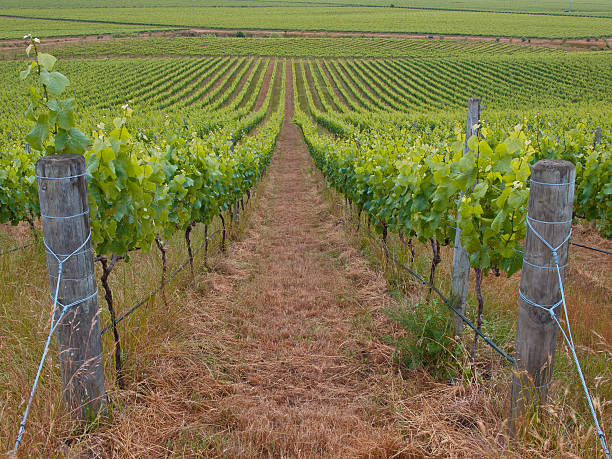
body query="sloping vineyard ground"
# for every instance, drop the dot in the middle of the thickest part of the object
(280, 309)
(181, 86)
(279, 351)
(334, 18)
(287, 344)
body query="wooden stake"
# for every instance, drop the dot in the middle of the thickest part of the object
(461, 262)
(597, 140)
(188, 241)
(161, 245)
(536, 333)
(223, 238)
(65, 221)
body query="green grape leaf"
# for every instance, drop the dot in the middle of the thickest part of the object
(484, 150)
(29, 113)
(54, 81)
(479, 191)
(46, 61)
(498, 221)
(39, 133)
(502, 164)
(70, 141)
(34, 94)
(515, 200)
(108, 154)
(25, 73)
(62, 113)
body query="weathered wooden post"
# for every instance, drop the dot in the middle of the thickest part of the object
(551, 199)
(62, 191)
(461, 262)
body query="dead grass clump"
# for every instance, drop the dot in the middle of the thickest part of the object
(453, 421)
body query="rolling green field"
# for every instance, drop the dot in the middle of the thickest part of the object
(297, 47)
(18, 27)
(590, 7)
(338, 19)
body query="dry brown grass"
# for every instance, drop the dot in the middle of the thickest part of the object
(262, 362)
(436, 414)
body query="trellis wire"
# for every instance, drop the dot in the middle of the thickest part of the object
(138, 304)
(15, 249)
(144, 300)
(595, 249)
(550, 308)
(65, 308)
(467, 321)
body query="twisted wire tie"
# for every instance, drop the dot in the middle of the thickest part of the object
(51, 217)
(543, 267)
(564, 222)
(74, 279)
(548, 308)
(41, 177)
(64, 255)
(74, 303)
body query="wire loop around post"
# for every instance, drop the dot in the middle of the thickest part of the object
(61, 259)
(40, 177)
(567, 335)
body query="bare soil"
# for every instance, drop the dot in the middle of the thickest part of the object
(265, 87)
(570, 44)
(310, 80)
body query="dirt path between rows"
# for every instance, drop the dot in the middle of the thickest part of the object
(280, 361)
(302, 391)
(278, 352)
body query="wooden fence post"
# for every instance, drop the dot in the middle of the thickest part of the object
(62, 190)
(461, 263)
(551, 199)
